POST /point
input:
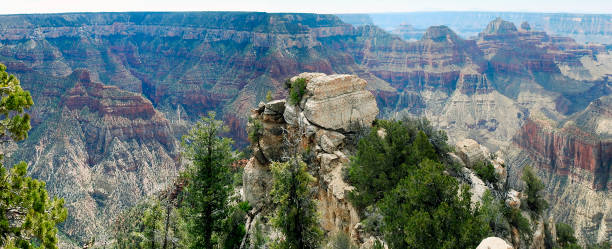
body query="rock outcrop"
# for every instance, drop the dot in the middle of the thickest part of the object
(330, 113)
(494, 243)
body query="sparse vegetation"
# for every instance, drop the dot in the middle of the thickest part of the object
(340, 240)
(255, 131)
(485, 171)
(297, 91)
(534, 187)
(516, 219)
(565, 235)
(492, 213)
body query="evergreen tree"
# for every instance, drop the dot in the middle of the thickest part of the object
(235, 226)
(295, 215)
(380, 162)
(565, 235)
(209, 181)
(534, 186)
(422, 148)
(152, 225)
(28, 217)
(424, 211)
(15, 123)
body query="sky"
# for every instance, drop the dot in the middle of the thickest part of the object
(311, 6)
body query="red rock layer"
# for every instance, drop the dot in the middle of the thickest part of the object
(118, 114)
(568, 151)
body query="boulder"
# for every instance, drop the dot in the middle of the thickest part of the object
(329, 140)
(456, 159)
(290, 114)
(271, 142)
(328, 86)
(471, 152)
(339, 102)
(494, 243)
(326, 161)
(371, 241)
(307, 76)
(500, 171)
(274, 111)
(275, 107)
(256, 180)
(477, 188)
(381, 132)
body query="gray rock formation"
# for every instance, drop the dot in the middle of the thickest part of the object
(336, 106)
(338, 102)
(494, 243)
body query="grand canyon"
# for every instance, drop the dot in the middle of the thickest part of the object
(114, 93)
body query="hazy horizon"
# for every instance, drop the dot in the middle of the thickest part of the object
(313, 6)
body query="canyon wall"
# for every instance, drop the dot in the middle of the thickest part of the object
(573, 157)
(113, 92)
(595, 28)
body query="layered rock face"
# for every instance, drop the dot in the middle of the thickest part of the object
(323, 134)
(574, 157)
(100, 148)
(585, 28)
(187, 64)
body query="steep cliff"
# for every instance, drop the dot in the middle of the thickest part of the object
(321, 128)
(101, 148)
(574, 157)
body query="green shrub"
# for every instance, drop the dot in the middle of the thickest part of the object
(565, 235)
(491, 212)
(516, 219)
(255, 131)
(535, 199)
(297, 91)
(485, 171)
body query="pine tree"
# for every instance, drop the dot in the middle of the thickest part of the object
(152, 224)
(209, 181)
(424, 211)
(295, 215)
(534, 186)
(380, 162)
(28, 217)
(15, 123)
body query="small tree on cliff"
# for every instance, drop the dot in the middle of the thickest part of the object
(27, 216)
(209, 184)
(295, 213)
(534, 186)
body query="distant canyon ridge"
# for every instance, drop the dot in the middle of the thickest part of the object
(114, 92)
